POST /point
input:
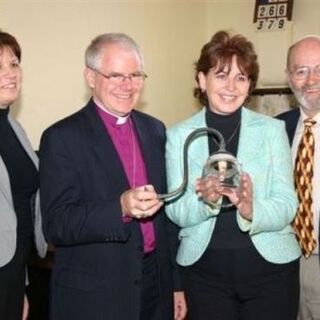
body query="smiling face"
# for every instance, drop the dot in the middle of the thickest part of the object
(118, 99)
(226, 89)
(10, 77)
(306, 55)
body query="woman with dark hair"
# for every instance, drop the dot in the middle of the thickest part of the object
(238, 251)
(19, 203)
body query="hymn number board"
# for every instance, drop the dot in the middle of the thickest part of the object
(272, 15)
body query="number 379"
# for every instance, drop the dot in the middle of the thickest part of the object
(270, 24)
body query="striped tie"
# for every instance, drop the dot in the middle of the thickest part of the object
(303, 173)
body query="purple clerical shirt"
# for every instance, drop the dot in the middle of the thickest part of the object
(124, 138)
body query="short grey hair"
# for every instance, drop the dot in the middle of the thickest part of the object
(93, 51)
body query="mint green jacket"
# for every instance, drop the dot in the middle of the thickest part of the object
(264, 154)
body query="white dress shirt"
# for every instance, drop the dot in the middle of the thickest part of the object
(316, 168)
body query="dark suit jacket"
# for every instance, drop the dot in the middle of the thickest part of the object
(291, 120)
(98, 261)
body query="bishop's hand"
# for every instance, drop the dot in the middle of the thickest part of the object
(140, 202)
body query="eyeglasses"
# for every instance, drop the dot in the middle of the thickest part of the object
(119, 78)
(302, 73)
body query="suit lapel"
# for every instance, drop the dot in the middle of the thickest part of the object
(251, 126)
(103, 148)
(5, 182)
(291, 124)
(4, 177)
(22, 137)
(198, 151)
(149, 151)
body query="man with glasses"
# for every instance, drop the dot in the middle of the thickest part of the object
(102, 169)
(303, 128)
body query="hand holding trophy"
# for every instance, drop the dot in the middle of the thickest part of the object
(220, 172)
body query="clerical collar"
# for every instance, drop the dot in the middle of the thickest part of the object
(118, 119)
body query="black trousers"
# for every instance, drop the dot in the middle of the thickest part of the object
(238, 284)
(13, 282)
(150, 296)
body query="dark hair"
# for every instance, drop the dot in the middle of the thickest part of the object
(218, 52)
(9, 41)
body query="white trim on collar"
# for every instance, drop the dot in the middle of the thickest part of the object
(120, 120)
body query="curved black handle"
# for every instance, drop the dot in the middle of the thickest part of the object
(189, 139)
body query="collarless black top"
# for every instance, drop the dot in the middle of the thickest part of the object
(23, 175)
(227, 234)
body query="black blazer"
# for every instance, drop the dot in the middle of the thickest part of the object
(98, 261)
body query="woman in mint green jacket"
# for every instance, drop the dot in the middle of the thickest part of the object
(239, 261)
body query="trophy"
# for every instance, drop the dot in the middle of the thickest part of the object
(221, 164)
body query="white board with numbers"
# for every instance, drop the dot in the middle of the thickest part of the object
(272, 15)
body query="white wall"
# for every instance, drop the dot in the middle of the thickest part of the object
(54, 35)
(271, 47)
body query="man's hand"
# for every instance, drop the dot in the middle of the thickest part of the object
(25, 308)
(141, 202)
(180, 305)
